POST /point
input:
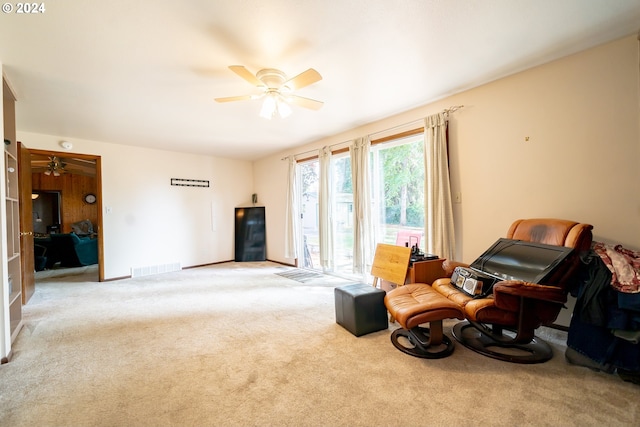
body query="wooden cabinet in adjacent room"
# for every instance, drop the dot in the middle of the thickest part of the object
(250, 234)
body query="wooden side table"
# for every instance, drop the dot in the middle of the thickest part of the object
(425, 271)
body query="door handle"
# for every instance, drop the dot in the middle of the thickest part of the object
(26, 233)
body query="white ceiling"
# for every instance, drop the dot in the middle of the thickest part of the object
(145, 72)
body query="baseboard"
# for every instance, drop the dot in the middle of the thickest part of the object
(282, 263)
(197, 266)
(206, 265)
(113, 279)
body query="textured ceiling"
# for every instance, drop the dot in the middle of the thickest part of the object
(146, 72)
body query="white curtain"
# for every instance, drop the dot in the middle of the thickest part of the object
(439, 230)
(362, 230)
(291, 221)
(325, 210)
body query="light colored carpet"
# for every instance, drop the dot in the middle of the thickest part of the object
(236, 344)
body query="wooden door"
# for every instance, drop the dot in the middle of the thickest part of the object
(26, 223)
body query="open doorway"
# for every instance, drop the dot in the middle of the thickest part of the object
(46, 211)
(65, 197)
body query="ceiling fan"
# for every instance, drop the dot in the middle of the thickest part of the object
(277, 90)
(55, 166)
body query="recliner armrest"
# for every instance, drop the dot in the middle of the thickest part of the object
(448, 266)
(535, 291)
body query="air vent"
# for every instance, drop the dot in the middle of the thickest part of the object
(155, 269)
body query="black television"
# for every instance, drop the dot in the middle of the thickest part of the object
(509, 259)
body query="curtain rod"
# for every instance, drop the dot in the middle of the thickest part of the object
(316, 149)
(452, 109)
(446, 111)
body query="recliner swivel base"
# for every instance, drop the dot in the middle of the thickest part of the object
(536, 351)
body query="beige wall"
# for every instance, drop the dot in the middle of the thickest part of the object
(581, 162)
(147, 221)
(580, 114)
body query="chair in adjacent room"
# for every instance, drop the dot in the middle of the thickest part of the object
(503, 324)
(74, 251)
(83, 228)
(39, 257)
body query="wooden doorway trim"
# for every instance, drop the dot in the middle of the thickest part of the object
(26, 223)
(98, 193)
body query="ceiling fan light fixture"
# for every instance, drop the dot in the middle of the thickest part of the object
(274, 104)
(269, 107)
(276, 90)
(283, 109)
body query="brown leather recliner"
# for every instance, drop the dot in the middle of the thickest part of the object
(502, 325)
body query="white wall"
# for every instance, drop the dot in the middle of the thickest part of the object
(581, 115)
(152, 222)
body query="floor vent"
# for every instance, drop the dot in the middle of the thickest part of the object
(155, 269)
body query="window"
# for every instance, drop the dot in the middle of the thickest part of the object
(397, 169)
(397, 196)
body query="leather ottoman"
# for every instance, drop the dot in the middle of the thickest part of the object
(360, 308)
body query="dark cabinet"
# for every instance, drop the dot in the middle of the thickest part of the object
(250, 233)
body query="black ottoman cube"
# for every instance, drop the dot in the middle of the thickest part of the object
(360, 308)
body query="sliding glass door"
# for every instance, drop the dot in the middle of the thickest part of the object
(342, 205)
(397, 196)
(309, 225)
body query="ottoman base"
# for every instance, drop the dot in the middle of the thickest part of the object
(416, 304)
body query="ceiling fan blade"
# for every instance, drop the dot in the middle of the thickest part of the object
(235, 98)
(303, 79)
(305, 102)
(246, 74)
